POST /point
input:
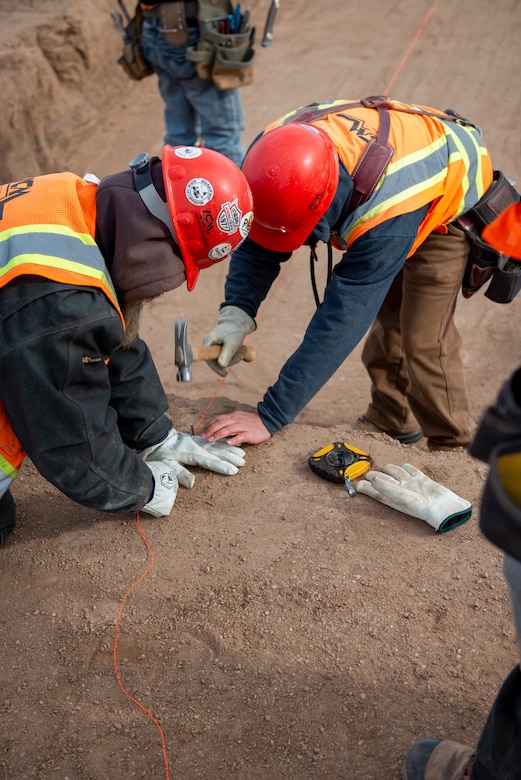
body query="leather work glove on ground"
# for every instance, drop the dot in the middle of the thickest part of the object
(233, 325)
(409, 490)
(165, 489)
(178, 450)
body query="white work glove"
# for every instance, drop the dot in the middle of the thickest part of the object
(165, 489)
(233, 325)
(180, 449)
(409, 490)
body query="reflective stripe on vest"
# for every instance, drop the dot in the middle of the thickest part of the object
(45, 250)
(11, 453)
(47, 228)
(435, 162)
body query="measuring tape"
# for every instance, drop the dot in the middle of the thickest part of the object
(340, 462)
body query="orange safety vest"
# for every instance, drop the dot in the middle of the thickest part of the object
(443, 163)
(47, 228)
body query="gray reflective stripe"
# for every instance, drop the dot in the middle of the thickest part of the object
(64, 250)
(5, 481)
(418, 171)
(469, 139)
(433, 163)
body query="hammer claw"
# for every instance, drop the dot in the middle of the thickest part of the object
(182, 356)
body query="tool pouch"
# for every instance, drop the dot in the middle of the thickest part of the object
(132, 60)
(173, 23)
(224, 57)
(485, 263)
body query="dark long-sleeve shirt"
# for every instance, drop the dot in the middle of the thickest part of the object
(359, 283)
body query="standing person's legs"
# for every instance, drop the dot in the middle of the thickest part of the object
(221, 116)
(412, 352)
(384, 359)
(193, 105)
(173, 71)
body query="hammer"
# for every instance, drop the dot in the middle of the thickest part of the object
(184, 354)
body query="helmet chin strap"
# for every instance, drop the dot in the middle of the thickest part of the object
(140, 165)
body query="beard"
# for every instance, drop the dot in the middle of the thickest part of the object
(132, 315)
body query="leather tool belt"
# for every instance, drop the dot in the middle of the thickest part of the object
(485, 263)
(175, 19)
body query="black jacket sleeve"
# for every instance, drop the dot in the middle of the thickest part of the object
(66, 402)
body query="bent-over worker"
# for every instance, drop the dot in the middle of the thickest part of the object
(401, 268)
(80, 394)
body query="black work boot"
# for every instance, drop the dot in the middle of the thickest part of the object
(7, 515)
(365, 424)
(438, 759)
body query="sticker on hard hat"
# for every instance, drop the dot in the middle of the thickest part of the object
(229, 217)
(220, 251)
(187, 152)
(199, 192)
(244, 227)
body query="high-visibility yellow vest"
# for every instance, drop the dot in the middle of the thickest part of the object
(47, 228)
(439, 162)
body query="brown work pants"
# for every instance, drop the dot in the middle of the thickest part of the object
(412, 352)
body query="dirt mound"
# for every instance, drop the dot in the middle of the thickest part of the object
(58, 81)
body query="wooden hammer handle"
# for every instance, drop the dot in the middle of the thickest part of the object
(213, 352)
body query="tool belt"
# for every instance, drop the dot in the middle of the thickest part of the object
(132, 59)
(175, 19)
(485, 263)
(224, 53)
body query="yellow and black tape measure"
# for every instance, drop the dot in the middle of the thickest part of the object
(339, 462)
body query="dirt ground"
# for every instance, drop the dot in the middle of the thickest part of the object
(282, 628)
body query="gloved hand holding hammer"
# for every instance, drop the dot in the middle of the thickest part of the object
(233, 325)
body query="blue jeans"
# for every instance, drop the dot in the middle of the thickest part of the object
(499, 747)
(194, 107)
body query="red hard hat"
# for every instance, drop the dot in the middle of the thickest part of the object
(504, 233)
(293, 173)
(210, 203)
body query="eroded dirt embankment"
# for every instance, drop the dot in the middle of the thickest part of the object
(58, 79)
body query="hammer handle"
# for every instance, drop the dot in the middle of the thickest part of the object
(213, 352)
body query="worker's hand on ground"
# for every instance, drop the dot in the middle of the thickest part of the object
(165, 489)
(409, 490)
(233, 325)
(178, 450)
(237, 428)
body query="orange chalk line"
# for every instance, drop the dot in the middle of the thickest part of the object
(214, 396)
(116, 639)
(411, 47)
